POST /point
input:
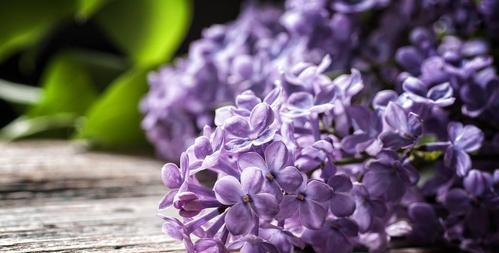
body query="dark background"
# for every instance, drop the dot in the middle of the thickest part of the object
(73, 34)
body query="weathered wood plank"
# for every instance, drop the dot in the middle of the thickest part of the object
(57, 197)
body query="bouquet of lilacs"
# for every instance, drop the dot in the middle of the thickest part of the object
(404, 150)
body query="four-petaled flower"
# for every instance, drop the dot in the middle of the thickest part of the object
(308, 202)
(367, 126)
(334, 236)
(342, 203)
(277, 175)
(388, 177)
(439, 95)
(242, 133)
(247, 202)
(463, 140)
(404, 128)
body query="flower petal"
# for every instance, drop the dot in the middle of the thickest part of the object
(382, 98)
(477, 182)
(202, 147)
(342, 205)
(288, 207)
(396, 117)
(173, 228)
(312, 214)
(238, 145)
(261, 117)
(251, 159)
(340, 183)
(454, 129)
(347, 226)
(264, 137)
(382, 181)
(300, 100)
(276, 155)
(265, 205)
(414, 125)
(363, 215)
(167, 200)
(394, 141)
(470, 139)
(239, 219)
(409, 173)
(251, 180)
(351, 144)
(247, 100)
(237, 126)
(170, 174)
(228, 190)
(318, 191)
(360, 116)
(289, 178)
(414, 85)
(458, 159)
(441, 91)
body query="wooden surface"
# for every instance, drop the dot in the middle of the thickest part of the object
(57, 197)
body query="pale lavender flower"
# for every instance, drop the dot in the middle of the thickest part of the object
(463, 140)
(246, 201)
(368, 126)
(334, 236)
(403, 128)
(308, 203)
(367, 209)
(388, 177)
(342, 203)
(243, 133)
(274, 169)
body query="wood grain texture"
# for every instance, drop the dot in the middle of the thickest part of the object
(57, 197)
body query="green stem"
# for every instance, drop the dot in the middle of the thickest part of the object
(347, 161)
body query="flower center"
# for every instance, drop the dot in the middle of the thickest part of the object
(269, 176)
(407, 136)
(335, 226)
(300, 196)
(246, 198)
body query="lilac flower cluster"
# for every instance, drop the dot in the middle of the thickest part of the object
(285, 176)
(253, 51)
(292, 154)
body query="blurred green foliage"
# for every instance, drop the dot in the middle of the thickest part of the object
(72, 94)
(148, 32)
(108, 122)
(24, 22)
(66, 88)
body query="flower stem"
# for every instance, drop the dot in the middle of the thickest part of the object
(353, 160)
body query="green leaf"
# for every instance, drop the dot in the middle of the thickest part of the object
(114, 121)
(149, 31)
(24, 22)
(67, 88)
(19, 93)
(102, 67)
(88, 7)
(24, 127)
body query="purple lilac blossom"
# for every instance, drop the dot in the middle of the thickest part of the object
(308, 151)
(298, 181)
(253, 51)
